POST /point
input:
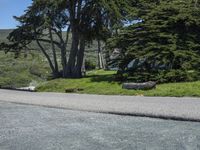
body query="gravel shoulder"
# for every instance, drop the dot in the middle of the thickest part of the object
(186, 109)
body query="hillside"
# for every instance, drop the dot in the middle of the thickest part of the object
(33, 69)
(4, 33)
(91, 50)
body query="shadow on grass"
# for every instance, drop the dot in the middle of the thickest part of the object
(103, 78)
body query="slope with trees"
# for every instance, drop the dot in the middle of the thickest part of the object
(85, 20)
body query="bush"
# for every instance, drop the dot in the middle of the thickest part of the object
(14, 81)
(163, 76)
(90, 65)
(176, 76)
(22, 71)
(38, 71)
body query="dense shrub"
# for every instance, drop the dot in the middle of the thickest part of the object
(22, 71)
(160, 76)
(90, 65)
(39, 71)
(15, 82)
(163, 47)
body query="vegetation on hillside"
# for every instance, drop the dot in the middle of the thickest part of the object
(85, 21)
(31, 68)
(22, 71)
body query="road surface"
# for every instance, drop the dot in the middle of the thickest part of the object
(26, 127)
(187, 109)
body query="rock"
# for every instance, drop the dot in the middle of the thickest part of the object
(139, 86)
(115, 54)
(30, 88)
(73, 90)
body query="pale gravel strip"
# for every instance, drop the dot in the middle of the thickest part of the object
(158, 107)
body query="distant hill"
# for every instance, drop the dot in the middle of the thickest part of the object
(91, 51)
(4, 33)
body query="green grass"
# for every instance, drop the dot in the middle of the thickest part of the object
(102, 82)
(22, 71)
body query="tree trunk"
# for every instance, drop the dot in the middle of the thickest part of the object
(63, 51)
(63, 61)
(83, 69)
(54, 53)
(74, 16)
(47, 57)
(80, 57)
(64, 54)
(100, 59)
(73, 53)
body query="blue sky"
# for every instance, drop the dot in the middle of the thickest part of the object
(10, 8)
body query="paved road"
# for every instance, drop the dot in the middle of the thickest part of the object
(25, 127)
(169, 108)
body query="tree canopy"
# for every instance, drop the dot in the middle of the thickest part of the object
(85, 20)
(167, 38)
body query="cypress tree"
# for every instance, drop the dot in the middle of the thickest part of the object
(167, 39)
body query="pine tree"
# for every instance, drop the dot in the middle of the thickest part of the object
(168, 38)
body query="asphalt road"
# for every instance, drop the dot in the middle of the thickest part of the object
(187, 109)
(24, 127)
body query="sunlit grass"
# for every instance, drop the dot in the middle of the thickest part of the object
(102, 82)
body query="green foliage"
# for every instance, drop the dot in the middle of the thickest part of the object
(14, 81)
(163, 76)
(16, 72)
(90, 65)
(167, 39)
(176, 76)
(85, 20)
(39, 71)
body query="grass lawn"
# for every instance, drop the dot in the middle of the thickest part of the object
(102, 82)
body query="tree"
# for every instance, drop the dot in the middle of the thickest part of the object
(88, 20)
(85, 20)
(38, 24)
(168, 38)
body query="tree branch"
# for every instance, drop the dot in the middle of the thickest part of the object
(46, 55)
(49, 41)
